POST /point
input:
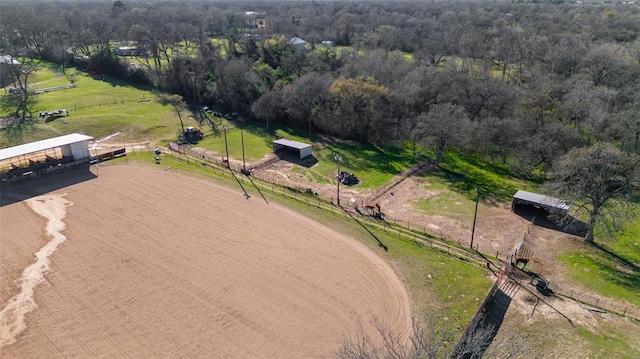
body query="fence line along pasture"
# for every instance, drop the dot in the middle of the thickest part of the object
(111, 102)
(389, 224)
(404, 230)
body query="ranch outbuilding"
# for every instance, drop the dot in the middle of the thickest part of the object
(45, 156)
(548, 204)
(303, 150)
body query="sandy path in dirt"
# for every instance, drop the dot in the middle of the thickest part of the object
(163, 265)
(12, 316)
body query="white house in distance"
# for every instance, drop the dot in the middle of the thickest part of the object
(126, 51)
(6, 62)
(256, 19)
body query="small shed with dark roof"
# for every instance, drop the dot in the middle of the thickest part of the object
(549, 204)
(283, 145)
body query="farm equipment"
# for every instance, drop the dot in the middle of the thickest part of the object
(348, 179)
(190, 135)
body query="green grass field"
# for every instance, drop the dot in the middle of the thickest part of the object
(603, 275)
(625, 241)
(99, 106)
(466, 174)
(609, 342)
(257, 144)
(374, 165)
(611, 268)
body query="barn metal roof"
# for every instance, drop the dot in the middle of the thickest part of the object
(540, 200)
(297, 41)
(37, 146)
(293, 144)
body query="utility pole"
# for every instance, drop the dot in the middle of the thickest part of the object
(244, 167)
(475, 215)
(338, 159)
(226, 147)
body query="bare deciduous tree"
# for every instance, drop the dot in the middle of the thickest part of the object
(443, 127)
(596, 176)
(307, 93)
(268, 107)
(178, 105)
(428, 338)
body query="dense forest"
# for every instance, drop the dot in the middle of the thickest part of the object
(518, 83)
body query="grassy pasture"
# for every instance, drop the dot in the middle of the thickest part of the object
(100, 106)
(465, 174)
(256, 143)
(611, 267)
(610, 342)
(601, 274)
(374, 165)
(624, 242)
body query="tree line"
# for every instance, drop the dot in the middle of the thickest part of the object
(523, 84)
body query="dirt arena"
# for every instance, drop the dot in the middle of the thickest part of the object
(141, 262)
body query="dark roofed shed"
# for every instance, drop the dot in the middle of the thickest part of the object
(550, 204)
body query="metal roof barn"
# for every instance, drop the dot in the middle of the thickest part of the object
(74, 144)
(304, 149)
(540, 200)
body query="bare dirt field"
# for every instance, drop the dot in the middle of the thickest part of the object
(140, 262)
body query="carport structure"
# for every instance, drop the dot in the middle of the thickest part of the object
(303, 150)
(35, 156)
(549, 204)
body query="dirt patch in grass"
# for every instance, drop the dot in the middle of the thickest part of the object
(498, 230)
